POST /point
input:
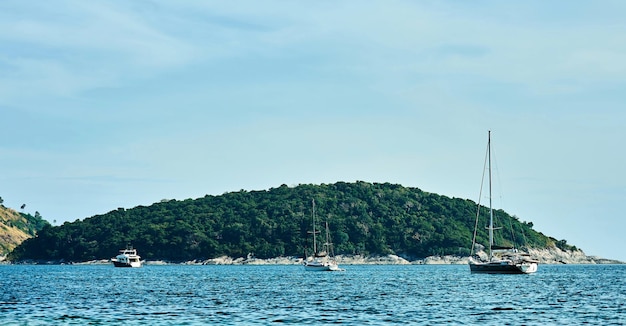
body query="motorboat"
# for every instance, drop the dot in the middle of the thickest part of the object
(127, 258)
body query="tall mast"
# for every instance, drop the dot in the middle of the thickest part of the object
(314, 241)
(490, 208)
(328, 245)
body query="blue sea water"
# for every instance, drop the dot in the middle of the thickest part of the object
(248, 295)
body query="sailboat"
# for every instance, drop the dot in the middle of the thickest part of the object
(322, 261)
(501, 260)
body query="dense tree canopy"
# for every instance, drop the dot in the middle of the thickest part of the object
(31, 224)
(364, 218)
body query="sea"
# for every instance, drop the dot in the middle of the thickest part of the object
(286, 294)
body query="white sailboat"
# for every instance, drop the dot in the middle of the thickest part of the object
(500, 260)
(323, 261)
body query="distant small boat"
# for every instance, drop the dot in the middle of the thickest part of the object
(323, 261)
(127, 258)
(508, 260)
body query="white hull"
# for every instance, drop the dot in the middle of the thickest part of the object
(132, 264)
(315, 266)
(322, 268)
(503, 267)
(127, 258)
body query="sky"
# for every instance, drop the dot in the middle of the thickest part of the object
(107, 104)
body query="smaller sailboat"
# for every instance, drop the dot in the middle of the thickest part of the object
(322, 261)
(501, 260)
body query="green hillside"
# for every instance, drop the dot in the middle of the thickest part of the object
(16, 227)
(364, 218)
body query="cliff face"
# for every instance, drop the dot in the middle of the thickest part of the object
(10, 234)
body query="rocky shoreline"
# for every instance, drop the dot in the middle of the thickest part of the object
(544, 256)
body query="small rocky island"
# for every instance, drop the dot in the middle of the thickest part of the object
(371, 223)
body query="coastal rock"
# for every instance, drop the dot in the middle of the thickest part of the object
(555, 255)
(442, 260)
(551, 255)
(374, 260)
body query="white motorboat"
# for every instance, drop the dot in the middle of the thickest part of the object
(127, 258)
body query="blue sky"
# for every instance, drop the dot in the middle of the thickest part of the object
(119, 103)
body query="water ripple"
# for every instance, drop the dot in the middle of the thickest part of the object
(370, 295)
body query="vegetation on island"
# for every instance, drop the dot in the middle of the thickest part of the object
(364, 218)
(15, 227)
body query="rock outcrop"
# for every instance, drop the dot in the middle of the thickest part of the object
(552, 255)
(555, 255)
